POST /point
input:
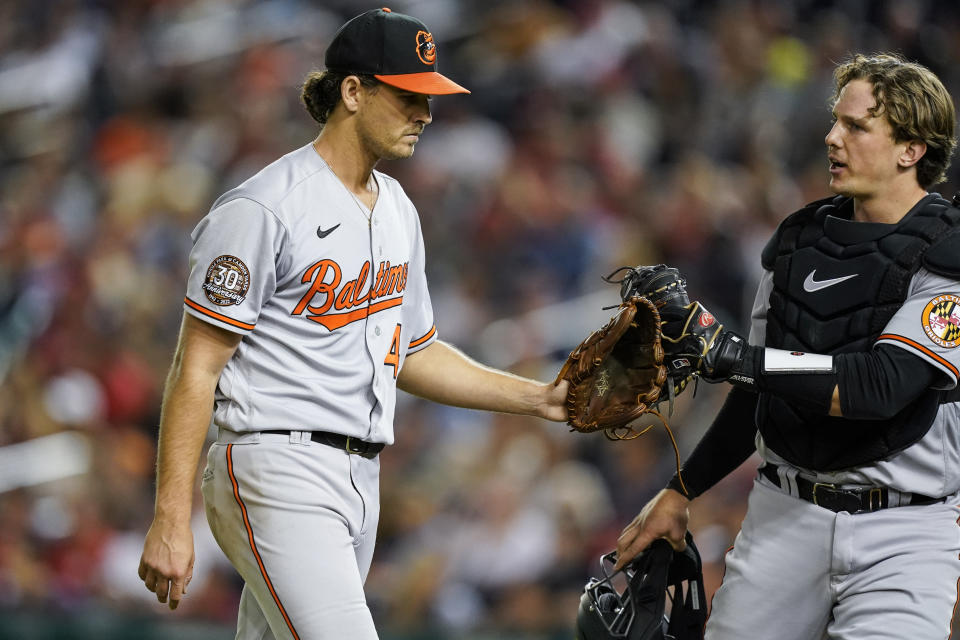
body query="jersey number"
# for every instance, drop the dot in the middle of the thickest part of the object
(393, 356)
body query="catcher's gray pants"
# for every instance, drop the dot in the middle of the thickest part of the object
(800, 572)
(298, 520)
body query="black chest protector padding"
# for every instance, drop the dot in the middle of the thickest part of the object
(944, 257)
(836, 285)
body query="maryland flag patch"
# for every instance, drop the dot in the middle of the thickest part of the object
(941, 320)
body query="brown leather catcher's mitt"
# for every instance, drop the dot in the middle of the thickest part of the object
(617, 373)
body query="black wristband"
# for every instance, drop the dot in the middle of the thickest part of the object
(748, 371)
(813, 389)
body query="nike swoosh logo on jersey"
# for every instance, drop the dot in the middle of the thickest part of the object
(810, 285)
(323, 233)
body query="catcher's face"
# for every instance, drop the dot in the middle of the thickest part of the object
(865, 160)
(392, 120)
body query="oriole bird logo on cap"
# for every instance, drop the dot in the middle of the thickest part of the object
(426, 49)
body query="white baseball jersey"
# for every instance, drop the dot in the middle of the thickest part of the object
(927, 325)
(329, 300)
(798, 571)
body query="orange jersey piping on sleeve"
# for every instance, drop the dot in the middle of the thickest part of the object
(420, 341)
(922, 349)
(217, 316)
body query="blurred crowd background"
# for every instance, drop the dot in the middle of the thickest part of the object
(600, 133)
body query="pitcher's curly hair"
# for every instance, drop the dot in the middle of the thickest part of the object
(321, 92)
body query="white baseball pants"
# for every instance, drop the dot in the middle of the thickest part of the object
(298, 520)
(800, 572)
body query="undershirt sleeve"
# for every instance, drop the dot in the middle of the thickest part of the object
(729, 441)
(878, 384)
(873, 384)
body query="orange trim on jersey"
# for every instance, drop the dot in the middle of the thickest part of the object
(336, 320)
(213, 314)
(253, 543)
(922, 349)
(420, 341)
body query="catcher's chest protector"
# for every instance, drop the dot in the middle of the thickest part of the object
(836, 286)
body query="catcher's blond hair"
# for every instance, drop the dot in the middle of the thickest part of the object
(914, 102)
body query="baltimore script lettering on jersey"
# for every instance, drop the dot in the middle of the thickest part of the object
(389, 280)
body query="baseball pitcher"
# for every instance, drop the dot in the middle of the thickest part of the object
(306, 307)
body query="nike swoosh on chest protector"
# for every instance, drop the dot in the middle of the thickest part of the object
(810, 285)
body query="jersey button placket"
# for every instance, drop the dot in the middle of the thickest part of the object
(373, 337)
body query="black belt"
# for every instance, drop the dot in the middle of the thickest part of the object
(340, 441)
(831, 497)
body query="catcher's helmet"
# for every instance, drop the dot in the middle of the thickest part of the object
(638, 611)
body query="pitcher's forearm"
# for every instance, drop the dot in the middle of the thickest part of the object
(444, 374)
(188, 407)
(485, 390)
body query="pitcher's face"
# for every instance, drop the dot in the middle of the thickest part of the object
(392, 120)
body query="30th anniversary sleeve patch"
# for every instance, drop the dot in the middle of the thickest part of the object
(941, 320)
(227, 281)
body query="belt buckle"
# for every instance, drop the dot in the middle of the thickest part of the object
(825, 485)
(836, 499)
(876, 492)
(350, 449)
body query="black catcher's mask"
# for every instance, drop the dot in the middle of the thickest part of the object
(638, 612)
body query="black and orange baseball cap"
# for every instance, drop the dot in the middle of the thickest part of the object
(395, 48)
